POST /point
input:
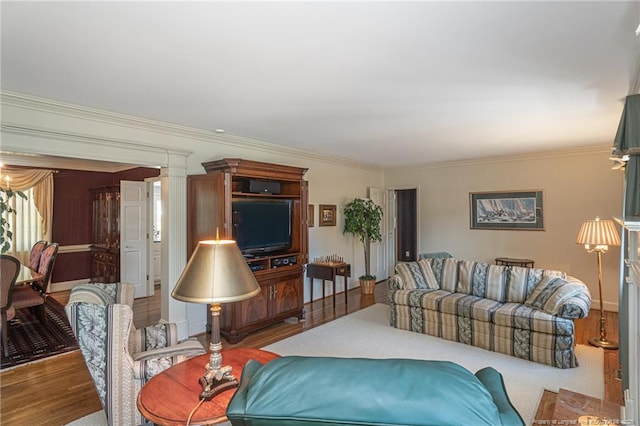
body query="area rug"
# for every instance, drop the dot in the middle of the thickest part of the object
(30, 341)
(367, 334)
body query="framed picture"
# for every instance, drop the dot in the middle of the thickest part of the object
(310, 216)
(515, 210)
(327, 216)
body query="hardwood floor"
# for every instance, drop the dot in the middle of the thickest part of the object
(59, 390)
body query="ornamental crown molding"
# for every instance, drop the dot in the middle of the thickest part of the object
(50, 106)
(539, 155)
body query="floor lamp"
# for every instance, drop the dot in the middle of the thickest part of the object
(216, 273)
(597, 235)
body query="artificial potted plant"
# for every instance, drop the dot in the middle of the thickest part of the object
(6, 235)
(362, 218)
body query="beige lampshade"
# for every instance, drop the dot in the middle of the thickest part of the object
(216, 273)
(598, 233)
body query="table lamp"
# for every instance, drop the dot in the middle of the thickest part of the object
(216, 273)
(597, 235)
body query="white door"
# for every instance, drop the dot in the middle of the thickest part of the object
(378, 250)
(154, 251)
(133, 235)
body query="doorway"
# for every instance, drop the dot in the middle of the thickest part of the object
(154, 263)
(403, 225)
(407, 225)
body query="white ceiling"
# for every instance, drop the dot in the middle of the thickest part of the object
(387, 83)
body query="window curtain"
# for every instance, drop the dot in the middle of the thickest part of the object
(627, 141)
(37, 184)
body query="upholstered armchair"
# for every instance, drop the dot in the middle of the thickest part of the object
(121, 358)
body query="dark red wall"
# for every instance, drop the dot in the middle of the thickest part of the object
(72, 215)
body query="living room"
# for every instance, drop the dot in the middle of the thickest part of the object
(576, 181)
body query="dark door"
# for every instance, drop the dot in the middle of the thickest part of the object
(407, 225)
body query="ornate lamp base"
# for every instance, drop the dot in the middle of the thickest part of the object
(603, 343)
(217, 378)
(216, 381)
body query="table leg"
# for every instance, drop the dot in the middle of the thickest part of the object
(311, 288)
(323, 290)
(345, 292)
(334, 292)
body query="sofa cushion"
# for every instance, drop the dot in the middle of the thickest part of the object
(380, 391)
(417, 275)
(446, 272)
(520, 316)
(482, 280)
(552, 292)
(424, 299)
(522, 281)
(468, 306)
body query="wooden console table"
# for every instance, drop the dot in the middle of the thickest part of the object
(328, 272)
(508, 261)
(169, 397)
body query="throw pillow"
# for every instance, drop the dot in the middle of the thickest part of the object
(427, 273)
(416, 275)
(551, 293)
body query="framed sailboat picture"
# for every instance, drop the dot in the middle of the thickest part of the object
(514, 210)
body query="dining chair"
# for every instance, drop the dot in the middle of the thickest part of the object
(9, 268)
(36, 295)
(35, 253)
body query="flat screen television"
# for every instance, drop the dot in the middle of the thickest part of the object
(262, 226)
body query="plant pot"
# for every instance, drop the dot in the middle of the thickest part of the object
(367, 286)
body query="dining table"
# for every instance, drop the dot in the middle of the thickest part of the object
(27, 275)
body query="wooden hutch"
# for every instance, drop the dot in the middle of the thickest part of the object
(105, 247)
(280, 274)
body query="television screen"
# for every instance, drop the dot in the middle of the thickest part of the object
(261, 226)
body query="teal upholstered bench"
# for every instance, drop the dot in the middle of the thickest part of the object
(319, 391)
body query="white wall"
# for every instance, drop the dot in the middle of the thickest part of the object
(42, 126)
(577, 184)
(337, 185)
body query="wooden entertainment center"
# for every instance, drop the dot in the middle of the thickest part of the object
(280, 274)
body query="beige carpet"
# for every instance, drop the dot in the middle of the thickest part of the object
(367, 334)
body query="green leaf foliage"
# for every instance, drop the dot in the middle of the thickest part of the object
(362, 218)
(6, 236)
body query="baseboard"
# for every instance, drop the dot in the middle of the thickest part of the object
(67, 285)
(608, 306)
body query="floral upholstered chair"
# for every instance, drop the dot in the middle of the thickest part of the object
(35, 253)
(121, 358)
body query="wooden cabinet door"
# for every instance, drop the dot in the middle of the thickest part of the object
(287, 295)
(256, 309)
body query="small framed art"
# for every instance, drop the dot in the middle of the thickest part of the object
(327, 215)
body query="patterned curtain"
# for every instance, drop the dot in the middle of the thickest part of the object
(34, 217)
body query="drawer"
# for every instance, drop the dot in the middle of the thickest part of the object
(344, 271)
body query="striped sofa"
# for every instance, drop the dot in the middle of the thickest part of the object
(523, 312)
